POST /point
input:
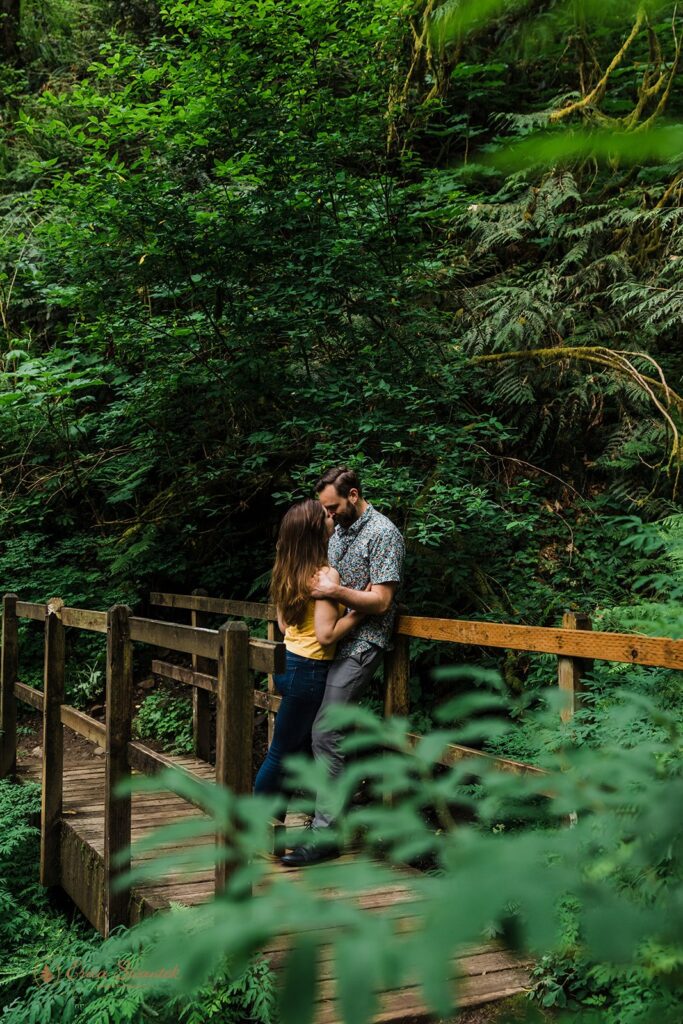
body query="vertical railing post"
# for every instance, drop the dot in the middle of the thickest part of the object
(53, 745)
(274, 633)
(397, 677)
(234, 720)
(569, 670)
(9, 670)
(117, 809)
(201, 707)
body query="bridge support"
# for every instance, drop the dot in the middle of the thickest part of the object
(53, 746)
(234, 721)
(9, 671)
(570, 670)
(117, 809)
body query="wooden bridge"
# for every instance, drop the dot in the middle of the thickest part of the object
(84, 825)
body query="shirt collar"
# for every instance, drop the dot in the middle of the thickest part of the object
(358, 525)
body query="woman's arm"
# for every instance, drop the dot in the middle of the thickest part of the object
(282, 625)
(329, 625)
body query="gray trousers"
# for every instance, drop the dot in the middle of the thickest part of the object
(347, 680)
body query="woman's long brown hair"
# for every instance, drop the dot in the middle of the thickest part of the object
(301, 550)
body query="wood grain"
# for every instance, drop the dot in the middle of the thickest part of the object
(30, 610)
(117, 808)
(53, 746)
(215, 605)
(9, 669)
(201, 706)
(84, 618)
(234, 720)
(174, 637)
(84, 725)
(397, 678)
(182, 674)
(29, 695)
(622, 647)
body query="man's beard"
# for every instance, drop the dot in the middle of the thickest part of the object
(348, 519)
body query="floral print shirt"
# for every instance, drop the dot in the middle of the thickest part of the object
(371, 550)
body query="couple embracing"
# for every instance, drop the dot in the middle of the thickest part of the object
(338, 567)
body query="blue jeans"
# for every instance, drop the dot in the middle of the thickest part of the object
(301, 686)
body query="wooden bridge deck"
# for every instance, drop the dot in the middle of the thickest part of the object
(487, 972)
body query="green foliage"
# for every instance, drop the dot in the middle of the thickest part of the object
(166, 718)
(244, 243)
(31, 932)
(598, 902)
(55, 971)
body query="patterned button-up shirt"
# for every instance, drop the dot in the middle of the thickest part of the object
(371, 550)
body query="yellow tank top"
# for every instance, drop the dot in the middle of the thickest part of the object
(301, 639)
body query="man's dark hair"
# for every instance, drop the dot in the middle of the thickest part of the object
(342, 479)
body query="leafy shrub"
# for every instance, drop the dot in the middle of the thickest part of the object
(597, 903)
(166, 718)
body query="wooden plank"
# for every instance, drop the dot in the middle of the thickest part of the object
(267, 701)
(187, 639)
(53, 746)
(84, 725)
(623, 647)
(215, 605)
(84, 618)
(569, 670)
(117, 809)
(150, 762)
(397, 678)
(201, 707)
(275, 635)
(453, 752)
(234, 720)
(29, 695)
(181, 674)
(9, 669)
(266, 655)
(29, 610)
(407, 1003)
(83, 876)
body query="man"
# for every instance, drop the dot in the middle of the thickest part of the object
(367, 551)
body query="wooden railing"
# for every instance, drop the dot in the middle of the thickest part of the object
(576, 645)
(231, 652)
(222, 660)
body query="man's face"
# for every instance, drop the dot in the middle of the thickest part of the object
(342, 511)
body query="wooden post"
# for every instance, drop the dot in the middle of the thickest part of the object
(569, 670)
(53, 746)
(117, 809)
(9, 670)
(234, 719)
(274, 633)
(201, 707)
(397, 678)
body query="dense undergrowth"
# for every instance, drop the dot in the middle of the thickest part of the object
(55, 968)
(243, 241)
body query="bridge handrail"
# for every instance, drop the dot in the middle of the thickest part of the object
(632, 648)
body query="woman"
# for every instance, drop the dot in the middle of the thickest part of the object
(311, 630)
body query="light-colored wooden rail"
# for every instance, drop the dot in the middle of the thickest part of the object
(633, 648)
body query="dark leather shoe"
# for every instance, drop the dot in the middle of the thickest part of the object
(310, 853)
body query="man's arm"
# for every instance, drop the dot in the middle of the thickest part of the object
(374, 601)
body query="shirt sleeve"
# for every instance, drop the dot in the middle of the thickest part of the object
(386, 558)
